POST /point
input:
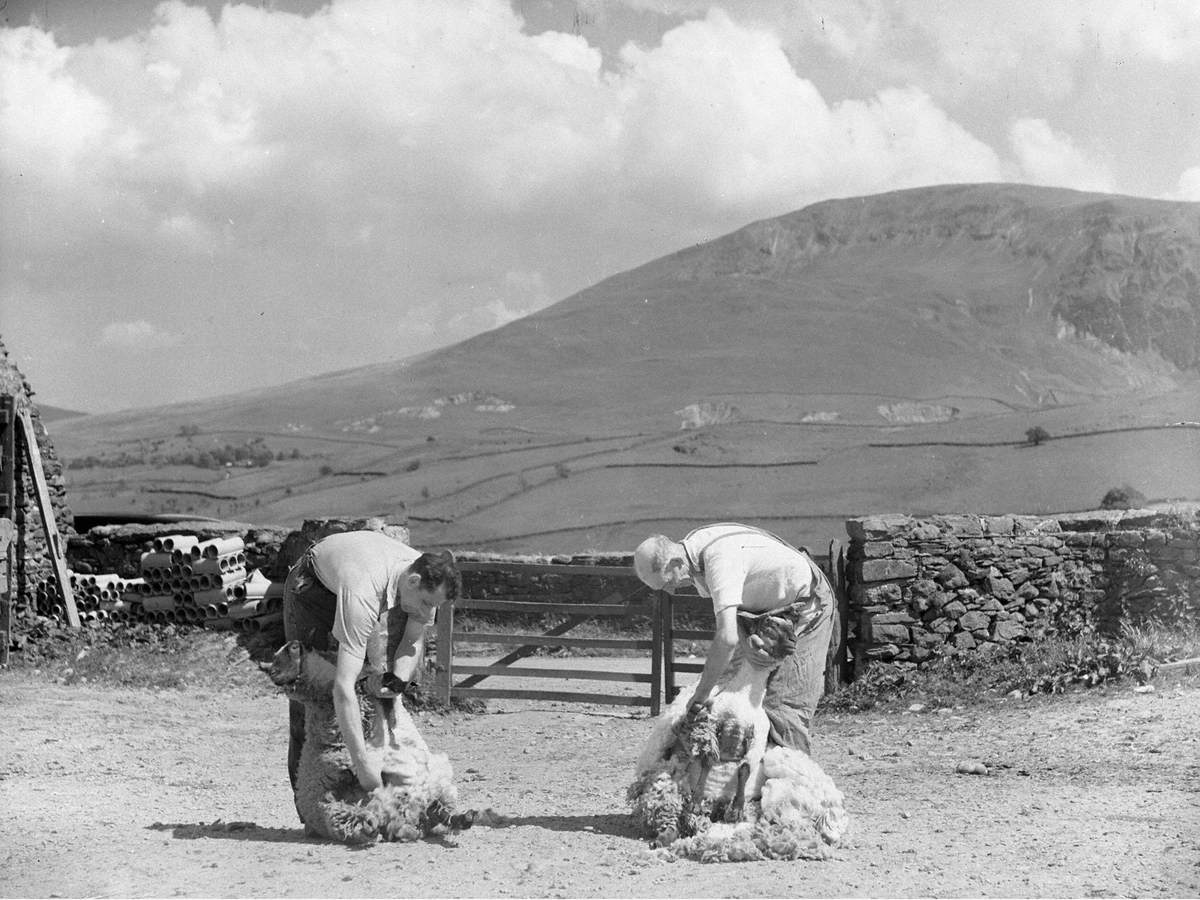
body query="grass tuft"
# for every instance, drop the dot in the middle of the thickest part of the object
(1046, 666)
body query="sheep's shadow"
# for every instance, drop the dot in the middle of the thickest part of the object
(617, 825)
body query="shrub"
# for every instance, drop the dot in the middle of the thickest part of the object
(1123, 497)
(1036, 435)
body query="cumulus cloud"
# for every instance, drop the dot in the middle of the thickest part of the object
(408, 172)
(138, 334)
(1051, 158)
(1189, 185)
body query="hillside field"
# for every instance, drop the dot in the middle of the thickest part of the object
(481, 485)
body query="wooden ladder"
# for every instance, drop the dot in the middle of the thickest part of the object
(53, 540)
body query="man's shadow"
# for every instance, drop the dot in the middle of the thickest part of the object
(616, 825)
(234, 831)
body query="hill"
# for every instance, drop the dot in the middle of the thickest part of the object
(55, 414)
(882, 353)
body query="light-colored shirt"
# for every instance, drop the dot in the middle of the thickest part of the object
(363, 569)
(743, 567)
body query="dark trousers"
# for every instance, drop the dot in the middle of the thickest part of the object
(308, 611)
(794, 689)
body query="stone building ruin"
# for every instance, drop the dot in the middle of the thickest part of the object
(28, 570)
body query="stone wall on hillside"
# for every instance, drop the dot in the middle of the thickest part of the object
(923, 586)
(32, 563)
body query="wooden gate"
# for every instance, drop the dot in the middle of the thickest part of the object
(624, 604)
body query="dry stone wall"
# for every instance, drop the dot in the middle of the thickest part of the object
(925, 586)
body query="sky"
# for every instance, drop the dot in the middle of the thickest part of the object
(199, 198)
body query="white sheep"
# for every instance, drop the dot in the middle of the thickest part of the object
(418, 793)
(707, 787)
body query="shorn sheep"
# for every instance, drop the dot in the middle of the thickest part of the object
(708, 788)
(418, 795)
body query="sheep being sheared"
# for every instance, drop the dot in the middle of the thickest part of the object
(418, 795)
(708, 788)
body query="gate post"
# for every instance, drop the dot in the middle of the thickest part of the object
(445, 652)
(656, 654)
(835, 659)
(667, 618)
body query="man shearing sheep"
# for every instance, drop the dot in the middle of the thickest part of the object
(371, 596)
(750, 574)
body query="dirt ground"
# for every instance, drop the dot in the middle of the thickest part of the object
(117, 792)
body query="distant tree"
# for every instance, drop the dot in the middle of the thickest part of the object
(562, 470)
(326, 469)
(412, 466)
(1123, 497)
(188, 431)
(1036, 435)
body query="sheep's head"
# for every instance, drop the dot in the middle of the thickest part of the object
(300, 669)
(287, 665)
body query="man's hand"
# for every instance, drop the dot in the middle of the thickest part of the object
(757, 654)
(385, 685)
(369, 779)
(697, 708)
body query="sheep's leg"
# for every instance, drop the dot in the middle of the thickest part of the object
(350, 823)
(737, 808)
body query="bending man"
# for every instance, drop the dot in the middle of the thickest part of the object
(751, 574)
(370, 596)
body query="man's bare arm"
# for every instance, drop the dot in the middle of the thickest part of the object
(720, 652)
(349, 717)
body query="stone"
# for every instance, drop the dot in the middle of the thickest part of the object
(923, 587)
(926, 532)
(999, 586)
(886, 569)
(882, 652)
(952, 576)
(877, 549)
(882, 594)
(877, 528)
(893, 618)
(891, 634)
(974, 621)
(961, 525)
(1007, 631)
(1127, 539)
(940, 599)
(954, 609)
(963, 640)
(999, 524)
